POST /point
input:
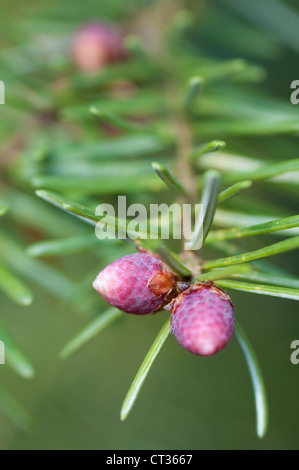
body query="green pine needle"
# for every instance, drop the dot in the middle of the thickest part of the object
(90, 331)
(268, 227)
(168, 178)
(209, 203)
(274, 291)
(15, 410)
(266, 278)
(173, 261)
(15, 358)
(14, 288)
(114, 120)
(260, 397)
(194, 88)
(63, 247)
(271, 250)
(233, 190)
(224, 272)
(266, 171)
(144, 370)
(212, 146)
(3, 208)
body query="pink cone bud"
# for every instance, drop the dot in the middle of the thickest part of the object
(137, 283)
(96, 45)
(202, 319)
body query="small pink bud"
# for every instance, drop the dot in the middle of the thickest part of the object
(137, 283)
(96, 45)
(202, 319)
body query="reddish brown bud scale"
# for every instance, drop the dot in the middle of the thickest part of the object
(202, 319)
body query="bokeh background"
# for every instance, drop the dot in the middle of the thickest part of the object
(187, 402)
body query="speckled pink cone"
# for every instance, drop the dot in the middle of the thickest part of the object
(137, 283)
(96, 45)
(202, 319)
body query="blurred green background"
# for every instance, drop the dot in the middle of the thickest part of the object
(187, 402)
